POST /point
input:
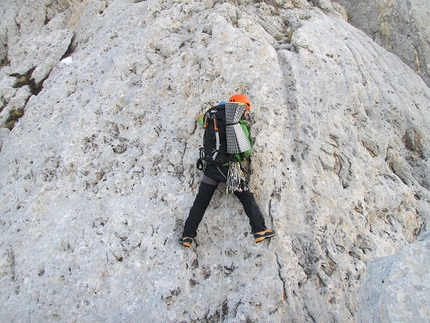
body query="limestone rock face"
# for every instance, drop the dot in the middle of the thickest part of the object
(395, 288)
(98, 152)
(402, 27)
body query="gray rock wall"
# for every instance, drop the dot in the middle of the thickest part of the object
(97, 161)
(395, 288)
(400, 26)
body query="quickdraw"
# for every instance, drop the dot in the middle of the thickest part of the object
(236, 181)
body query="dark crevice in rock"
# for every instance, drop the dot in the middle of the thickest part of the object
(4, 62)
(284, 283)
(35, 88)
(25, 79)
(3, 104)
(71, 49)
(14, 116)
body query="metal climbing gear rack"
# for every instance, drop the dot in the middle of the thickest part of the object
(235, 178)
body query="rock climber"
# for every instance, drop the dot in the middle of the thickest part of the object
(213, 175)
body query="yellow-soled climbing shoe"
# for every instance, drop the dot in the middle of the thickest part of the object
(262, 235)
(186, 241)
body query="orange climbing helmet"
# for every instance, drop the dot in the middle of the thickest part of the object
(242, 99)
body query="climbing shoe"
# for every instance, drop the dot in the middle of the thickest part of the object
(186, 241)
(266, 234)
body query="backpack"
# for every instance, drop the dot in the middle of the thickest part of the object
(214, 150)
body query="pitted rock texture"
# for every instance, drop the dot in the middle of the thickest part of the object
(97, 165)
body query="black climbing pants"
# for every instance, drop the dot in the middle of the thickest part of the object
(212, 177)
